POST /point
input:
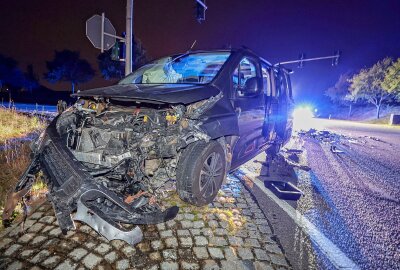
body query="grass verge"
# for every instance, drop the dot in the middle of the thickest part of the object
(15, 154)
(381, 121)
(15, 125)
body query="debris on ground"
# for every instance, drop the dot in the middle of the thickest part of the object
(335, 150)
(230, 233)
(324, 136)
(294, 151)
(291, 159)
(329, 137)
(294, 157)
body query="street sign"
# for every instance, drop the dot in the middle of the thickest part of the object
(96, 30)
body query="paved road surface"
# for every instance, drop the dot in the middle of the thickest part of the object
(348, 217)
(351, 197)
(232, 233)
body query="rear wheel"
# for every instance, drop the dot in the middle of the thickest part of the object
(201, 170)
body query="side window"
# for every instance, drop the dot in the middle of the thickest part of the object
(245, 78)
(280, 87)
(265, 70)
(283, 84)
(289, 85)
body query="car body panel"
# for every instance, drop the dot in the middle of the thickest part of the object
(154, 93)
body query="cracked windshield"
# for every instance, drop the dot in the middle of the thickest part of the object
(198, 68)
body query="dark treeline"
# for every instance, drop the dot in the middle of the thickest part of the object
(66, 66)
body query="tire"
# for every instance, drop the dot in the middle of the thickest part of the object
(200, 172)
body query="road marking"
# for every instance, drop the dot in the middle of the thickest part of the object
(337, 257)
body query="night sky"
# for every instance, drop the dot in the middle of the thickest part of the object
(365, 31)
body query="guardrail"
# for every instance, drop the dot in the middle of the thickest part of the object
(43, 111)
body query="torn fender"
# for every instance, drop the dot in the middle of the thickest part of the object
(220, 120)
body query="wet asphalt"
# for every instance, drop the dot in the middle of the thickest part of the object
(355, 195)
(352, 196)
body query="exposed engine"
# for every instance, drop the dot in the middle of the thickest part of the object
(129, 148)
(110, 162)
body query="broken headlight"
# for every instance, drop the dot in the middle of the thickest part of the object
(195, 110)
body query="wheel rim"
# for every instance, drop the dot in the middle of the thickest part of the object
(210, 174)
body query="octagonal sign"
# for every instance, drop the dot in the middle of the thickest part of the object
(93, 32)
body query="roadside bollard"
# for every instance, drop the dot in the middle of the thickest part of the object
(394, 119)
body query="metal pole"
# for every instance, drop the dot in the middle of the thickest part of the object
(202, 3)
(102, 32)
(307, 60)
(117, 37)
(128, 38)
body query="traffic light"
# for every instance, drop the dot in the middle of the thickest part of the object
(335, 60)
(301, 62)
(115, 52)
(201, 10)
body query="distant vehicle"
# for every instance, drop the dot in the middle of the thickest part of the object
(189, 118)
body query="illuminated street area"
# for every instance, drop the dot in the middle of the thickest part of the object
(349, 213)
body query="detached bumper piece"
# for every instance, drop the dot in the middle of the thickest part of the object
(72, 187)
(284, 190)
(109, 229)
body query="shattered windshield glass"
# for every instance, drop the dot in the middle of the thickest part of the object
(198, 68)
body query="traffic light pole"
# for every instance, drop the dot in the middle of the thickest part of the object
(92, 32)
(129, 37)
(309, 59)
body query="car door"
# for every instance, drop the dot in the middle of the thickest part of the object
(249, 105)
(280, 105)
(268, 130)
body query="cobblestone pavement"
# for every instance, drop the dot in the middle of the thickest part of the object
(231, 233)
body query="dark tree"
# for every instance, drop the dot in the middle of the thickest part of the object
(10, 74)
(69, 67)
(111, 69)
(369, 84)
(31, 80)
(139, 54)
(340, 93)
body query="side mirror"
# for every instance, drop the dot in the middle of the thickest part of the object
(251, 87)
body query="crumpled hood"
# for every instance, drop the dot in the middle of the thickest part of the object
(154, 93)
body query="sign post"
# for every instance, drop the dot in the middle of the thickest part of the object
(101, 32)
(128, 38)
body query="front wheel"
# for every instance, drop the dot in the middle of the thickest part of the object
(200, 172)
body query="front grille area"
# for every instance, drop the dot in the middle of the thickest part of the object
(59, 168)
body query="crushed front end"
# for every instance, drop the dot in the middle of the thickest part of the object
(109, 162)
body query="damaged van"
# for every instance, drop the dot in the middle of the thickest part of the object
(187, 119)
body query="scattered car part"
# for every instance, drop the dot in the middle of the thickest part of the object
(284, 190)
(294, 151)
(108, 229)
(335, 150)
